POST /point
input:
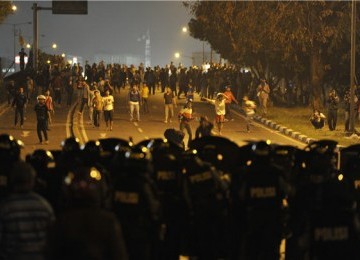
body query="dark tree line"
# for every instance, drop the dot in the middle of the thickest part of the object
(306, 41)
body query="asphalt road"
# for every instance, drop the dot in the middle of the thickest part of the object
(67, 121)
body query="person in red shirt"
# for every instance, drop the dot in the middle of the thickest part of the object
(185, 117)
(229, 99)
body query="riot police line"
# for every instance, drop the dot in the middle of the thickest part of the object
(215, 200)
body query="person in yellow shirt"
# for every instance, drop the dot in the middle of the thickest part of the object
(145, 96)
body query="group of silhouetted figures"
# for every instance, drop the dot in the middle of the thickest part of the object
(113, 199)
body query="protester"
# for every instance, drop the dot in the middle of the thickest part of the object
(97, 104)
(144, 97)
(249, 107)
(332, 101)
(263, 91)
(134, 99)
(108, 101)
(185, 117)
(229, 99)
(169, 102)
(19, 103)
(205, 127)
(50, 107)
(219, 104)
(42, 117)
(318, 119)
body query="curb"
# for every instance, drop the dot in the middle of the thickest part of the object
(284, 130)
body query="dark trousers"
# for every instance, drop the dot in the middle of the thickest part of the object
(151, 88)
(96, 117)
(332, 118)
(41, 128)
(19, 111)
(57, 94)
(228, 111)
(84, 102)
(69, 97)
(186, 126)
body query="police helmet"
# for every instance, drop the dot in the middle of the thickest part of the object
(321, 154)
(92, 148)
(152, 143)
(71, 144)
(138, 159)
(41, 159)
(110, 144)
(261, 148)
(82, 185)
(175, 136)
(350, 159)
(10, 148)
(192, 163)
(220, 151)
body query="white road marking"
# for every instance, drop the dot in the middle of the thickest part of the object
(25, 133)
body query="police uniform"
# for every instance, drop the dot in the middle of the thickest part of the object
(207, 201)
(258, 190)
(136, 204)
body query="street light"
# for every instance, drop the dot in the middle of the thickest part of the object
(14, 8)
(53, 46)
(185, 30)
(177, 55)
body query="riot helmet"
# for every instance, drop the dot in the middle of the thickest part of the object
(138, 159)
(322, 155)
(10, 148)
(41, 160)
(92, 150)
(82, 186)
(70, 145)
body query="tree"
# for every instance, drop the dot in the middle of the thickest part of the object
(5, 10)
(280, 39)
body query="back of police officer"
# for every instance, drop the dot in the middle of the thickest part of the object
(207, 201)
(169, 181)
(322, 218)
(9, 154)
(258, 190)
(136, 204)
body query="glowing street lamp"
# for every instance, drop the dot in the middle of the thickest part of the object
(63, 55)
(177, 55)
(184, 29)
(14, 8)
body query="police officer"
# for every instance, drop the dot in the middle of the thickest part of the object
(43, 163)
(258, 190)
(168, 178)
(136, 204)
(19, 103)
(321, 219)
(207, 206)
(84, 223)
(10, 149)
(91, 154)
(350, 166)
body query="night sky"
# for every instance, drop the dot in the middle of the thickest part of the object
(110, 27)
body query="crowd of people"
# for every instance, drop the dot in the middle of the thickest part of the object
(112, 199)
(93, 82)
